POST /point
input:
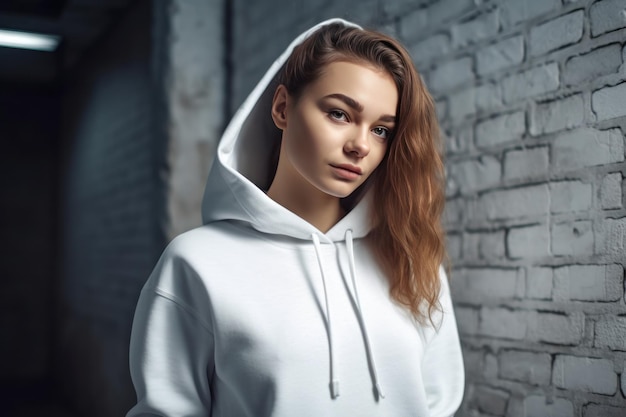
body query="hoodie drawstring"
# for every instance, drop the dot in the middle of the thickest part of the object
(368, 347)
(334, 382)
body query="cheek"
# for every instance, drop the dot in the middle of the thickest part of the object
(305, 139)
(378, 154)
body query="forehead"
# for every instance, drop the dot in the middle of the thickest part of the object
(365, 83)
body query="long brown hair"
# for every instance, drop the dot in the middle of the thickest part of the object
(408, 186)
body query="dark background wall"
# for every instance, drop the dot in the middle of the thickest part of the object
(29, 126)
(110, 200)
(530, 96)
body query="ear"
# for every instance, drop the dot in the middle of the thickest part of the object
(279, 107)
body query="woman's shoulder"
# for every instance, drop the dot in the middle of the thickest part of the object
(210, 241)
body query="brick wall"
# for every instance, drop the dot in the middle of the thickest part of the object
(531, 97)
(112, 197)
(535, 133)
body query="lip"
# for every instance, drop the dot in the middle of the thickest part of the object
(347, 171)
(349, 167)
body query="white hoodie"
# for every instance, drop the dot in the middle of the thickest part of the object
(258, 313)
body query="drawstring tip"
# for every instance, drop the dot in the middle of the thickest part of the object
(379, 390)
(334, 388)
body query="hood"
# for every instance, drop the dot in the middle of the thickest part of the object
(241, 170)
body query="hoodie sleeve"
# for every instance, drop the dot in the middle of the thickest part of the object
(443, 372)
(171, 348)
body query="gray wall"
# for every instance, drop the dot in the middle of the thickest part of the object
(142, 113)
(111, 200)
(532, 102)
(193, 83)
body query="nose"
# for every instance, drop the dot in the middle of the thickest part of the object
(358, 144)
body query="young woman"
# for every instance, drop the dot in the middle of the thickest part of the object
(314, 287)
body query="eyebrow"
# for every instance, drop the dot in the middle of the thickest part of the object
(358, 106)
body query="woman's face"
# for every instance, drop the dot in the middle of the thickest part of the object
(336, 132)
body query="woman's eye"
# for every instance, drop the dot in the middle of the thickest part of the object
(338, 115)
(382, 132)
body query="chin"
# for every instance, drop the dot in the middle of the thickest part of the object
(339, 192)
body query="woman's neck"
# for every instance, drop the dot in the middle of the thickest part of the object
(316, 207)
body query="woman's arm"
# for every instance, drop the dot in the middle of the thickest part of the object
(442, 367)
(171, 348)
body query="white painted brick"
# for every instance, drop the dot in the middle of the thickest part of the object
(588, 67)
(475, 174)
(478, 284)
(454, 209)
(452, 187)
(390, 29)
(589, 282)
(442, 109)
(470, 245)
(454, 245)
(503, 323)
(401, 7)
(611, 238)
(528, 242)
(530, 83)
(624, 380)
(515, 11)
(610, 332)
(413, 24)
(587, 147)
(539, 406)
(473, 361)
(573, 238)
(533, 368)
(557, 115)
(554, 328)
(430, 49)
(564, 30)
(595, 410)
(484, 245)
(514, 203)
(501, 129)
(488, 97)
(459, 140)
(462, 104)
(451, 74)
(467, 320)
(472, 31)
(492, 245)
(491, 401)
(539, 283)
(526, 163)
(611, 191)
(609, 102)
(607, 15)
(503, 54)
(491, 366)
(570, 196)
(584, 374)
(443, 10)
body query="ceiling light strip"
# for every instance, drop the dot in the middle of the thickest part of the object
(27, 40)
